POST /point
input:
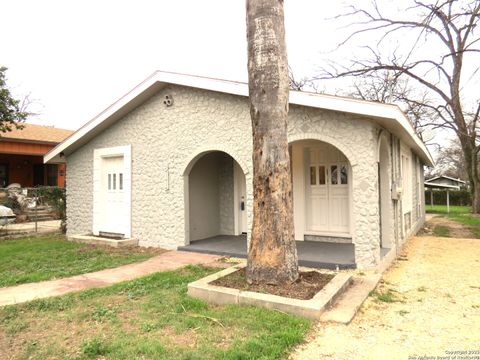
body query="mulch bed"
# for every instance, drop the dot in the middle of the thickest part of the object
(306, 287)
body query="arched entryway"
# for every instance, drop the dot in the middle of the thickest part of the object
(205, 183)
(322, 178)
(385, 200)
(215, 197)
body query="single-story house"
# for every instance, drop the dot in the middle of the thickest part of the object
(170, 164)
(448, 181)
(445, 183)
(21, 156)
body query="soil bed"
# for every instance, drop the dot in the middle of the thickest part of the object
(306, 287)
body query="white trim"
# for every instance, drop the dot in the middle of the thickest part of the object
(435, 185)
(381, 113)
(203, 150)
(446, 177)
(328, 234)
(236, 225)
(98, 154)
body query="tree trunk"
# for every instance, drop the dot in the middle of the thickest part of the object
(476, 200)
(272, 257)
(471, 165)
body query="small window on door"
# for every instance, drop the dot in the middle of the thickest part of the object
(109, 181)
(114, 181)
(313, 175)
(120, 181)
(334, 174)
(321, 175)
(343, 175)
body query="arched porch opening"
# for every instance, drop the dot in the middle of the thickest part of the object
(215, 198)
(322, 192)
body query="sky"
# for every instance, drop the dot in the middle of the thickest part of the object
(75, 58)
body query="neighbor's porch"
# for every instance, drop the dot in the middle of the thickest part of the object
(310, 253)
(29, 171)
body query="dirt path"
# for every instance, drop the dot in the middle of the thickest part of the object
(456, 230)
(436, 308)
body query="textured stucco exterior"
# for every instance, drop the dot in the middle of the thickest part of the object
(167, 141)
(226, 201)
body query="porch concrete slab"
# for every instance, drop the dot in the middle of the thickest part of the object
(170, 260)
(310, 253)
(311, 309)
(225, 245)
(98, 240)
(344, 309)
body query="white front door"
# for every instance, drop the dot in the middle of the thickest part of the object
(327, 192)
(114, 206)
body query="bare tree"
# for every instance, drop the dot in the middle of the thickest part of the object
(301, 84)
(450, 161)
(383, 87)
(272, 256)
(449, 29)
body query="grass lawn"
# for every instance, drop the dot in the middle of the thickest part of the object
(147, 318)
(32, 259)
(460, 214)
(442, 209)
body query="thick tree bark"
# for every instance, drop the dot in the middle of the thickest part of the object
(272, 257)
(471, 161)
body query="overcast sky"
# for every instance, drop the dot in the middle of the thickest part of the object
(75, 58)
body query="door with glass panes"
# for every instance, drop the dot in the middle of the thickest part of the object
(327, 192)
(114, 196)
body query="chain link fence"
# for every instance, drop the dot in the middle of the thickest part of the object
(39, 209)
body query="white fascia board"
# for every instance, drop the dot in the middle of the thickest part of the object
(370, 109)
(435, 185)
(446, 177)
(99, 119)
(376, 111)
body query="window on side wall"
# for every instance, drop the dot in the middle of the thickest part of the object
(52, 175)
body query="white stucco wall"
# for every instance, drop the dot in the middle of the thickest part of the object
(204, 194)
(225, 198)
(164, 140)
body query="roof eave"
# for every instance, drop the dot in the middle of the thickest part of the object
(381, 113)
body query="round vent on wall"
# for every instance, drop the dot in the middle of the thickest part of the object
(168, 101)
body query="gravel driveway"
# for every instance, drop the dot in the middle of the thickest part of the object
(434, 289)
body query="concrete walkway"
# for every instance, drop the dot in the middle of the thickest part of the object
(167, 261)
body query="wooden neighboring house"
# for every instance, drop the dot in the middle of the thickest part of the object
(21, 156)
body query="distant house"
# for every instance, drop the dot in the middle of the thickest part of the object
(21, 156)
(444, 181)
